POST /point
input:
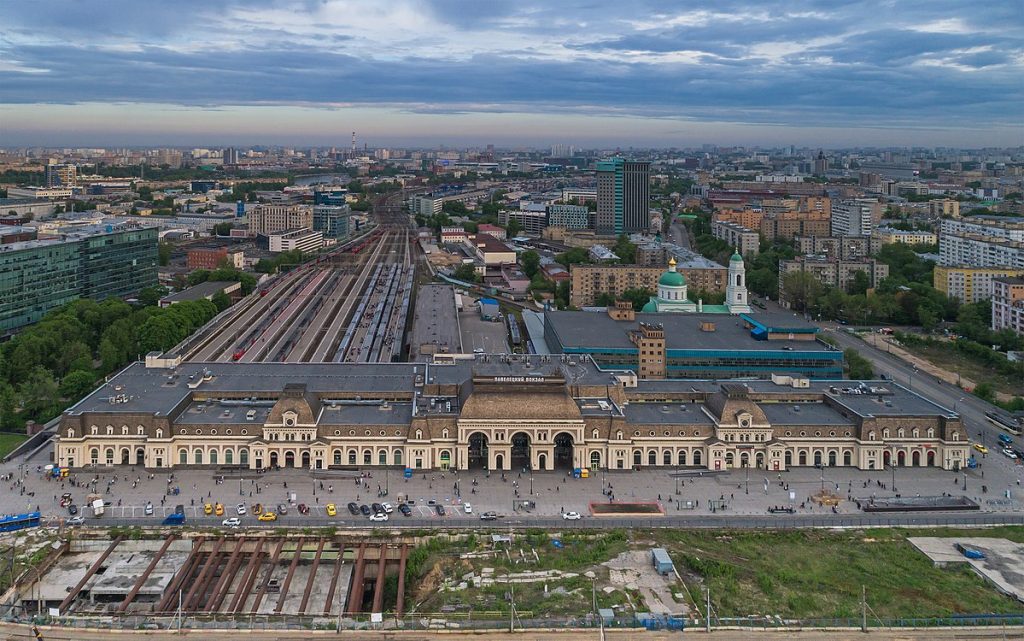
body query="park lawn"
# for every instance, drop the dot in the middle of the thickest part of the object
(819, 573)
(950, 360)
(9, 441)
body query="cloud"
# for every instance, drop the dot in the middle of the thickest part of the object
(800, 63)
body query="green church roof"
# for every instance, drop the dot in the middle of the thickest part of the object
(736, 257)
(672, 279)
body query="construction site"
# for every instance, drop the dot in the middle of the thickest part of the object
(216, 577)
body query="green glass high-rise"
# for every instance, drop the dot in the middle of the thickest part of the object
(39, 275)
(623, 196)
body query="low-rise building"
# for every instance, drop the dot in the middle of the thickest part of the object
(492, 252)
(841, 247)
(589, 281)
(204, 291)
(789, 224)
(888, 235)
(212, 257)
(305, 240)
(24, 207)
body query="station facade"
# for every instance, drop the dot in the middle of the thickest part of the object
(496, 413)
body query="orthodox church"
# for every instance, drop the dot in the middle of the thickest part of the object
(672, 296)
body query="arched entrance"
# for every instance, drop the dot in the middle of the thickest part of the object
(886, 458)
(542, 461)
(817, 459)
(563, 451)
(305, 460)
(931, 458)
(273, 459)
(478, 451)
(520, 451)
(915, 459)
(789, 459)
(499, 461)
(802, 457)
(832, 459)
(140, 456)
(744, 460)
(124, 457)
(595, 460)
(901, 458)
(760, 460)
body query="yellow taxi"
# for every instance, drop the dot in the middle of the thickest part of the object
(218, 509)
(981, 448)
(332, 509)
(268, 516)
(207, 509)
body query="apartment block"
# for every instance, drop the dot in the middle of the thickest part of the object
(888, 236)
(745, 240)
(1008, 304)
(855, 217)
(568, 216)
(832, 272)
(796, 223)
(588, 281)
(839, 247)
(304, 240)
(267, 219)
(969, 284)
(944, 207)
(749, 218)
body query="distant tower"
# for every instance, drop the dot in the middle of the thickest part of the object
(353, 143)
(736, 290)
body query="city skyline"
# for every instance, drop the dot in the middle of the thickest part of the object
(653, 74)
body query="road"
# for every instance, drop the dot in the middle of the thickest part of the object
(679, 234)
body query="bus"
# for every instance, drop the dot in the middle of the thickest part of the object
(1004, 421)
(14, 522)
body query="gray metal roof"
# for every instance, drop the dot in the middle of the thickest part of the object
(667, 414)
(803, 414)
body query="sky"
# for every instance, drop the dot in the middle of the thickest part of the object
(590, 73)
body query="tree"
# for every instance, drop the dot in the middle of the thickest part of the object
(860, 283)
(513, 228)
(223, 229)
(638, 296)
(39, 394)
(763, 281)
(76, 385)
(625, 250)
(573, 256)
(562, 292)
(858, 367)
(466, 272)
(985, 391)
(150, 296)
(222, 301)
(455, 207)
(800, 289)
(530, 262)
(604, 299)
(164, 252)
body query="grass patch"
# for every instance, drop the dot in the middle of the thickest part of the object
(815, 573)
(951, 360)
(9, 441)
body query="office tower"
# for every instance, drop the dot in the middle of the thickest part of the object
(623, 196)
(855, 217)
(57, 175)
(820, 164)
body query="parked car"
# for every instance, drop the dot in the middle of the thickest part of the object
(387, 507)
(439, 509)
(404, 509)
(268, 516)
(303, 508)
(72, 509)
(282, 508)
(379, 516)
(981, 448)
(488, 516)
(240, 509)
(231, 521)
(148, 510)
(1009, 453)
(218, 509)
(572, 516)
(207, 509)
(332, 509)
(1005, 439)
(377, 508)
(468, 508)
(76, 520)
(365, 509)
(353, 509)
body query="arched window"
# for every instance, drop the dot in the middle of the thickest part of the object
(637, 457)
(351, 457)
(444, 433)
(337, 457)
(110, 456)
(229, 457)
(396, 458)
(697, 457)
(871, 436)
(183, 457)
(367, 457)
(159, 433)
(71, 432)
(213, 457)
(931, 432)
(94, 456)
(652, 458)
(956, 436)
(197, 457)
(419, 435)
(666, 457)
(618, 435)
(243, 456)
(110, 430)
(382, 457)
(885, 433)
(594, 433)
(847, 458)
(682, 457)
(916, 433)
(900, 433)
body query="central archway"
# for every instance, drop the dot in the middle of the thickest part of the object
(289, 459)
(478, 451)
(564, 451)
(520, 451)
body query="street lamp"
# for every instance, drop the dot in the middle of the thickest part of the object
(531, 484)
(893, 467)
(746, 472)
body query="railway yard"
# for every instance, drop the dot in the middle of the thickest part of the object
(349, 305)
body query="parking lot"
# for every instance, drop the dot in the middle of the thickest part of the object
(478, 334)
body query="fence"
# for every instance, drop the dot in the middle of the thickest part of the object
(473, 621)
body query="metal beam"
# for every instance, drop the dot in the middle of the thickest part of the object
(220, 588)
(88, 575)
(312, 573)
(401, 579)
(248, 578)
(266, 580)
(186, 570)
(194, 592)
(355, 596)
(145, 575)
(288, 579)
(334, 579)
(378, 588)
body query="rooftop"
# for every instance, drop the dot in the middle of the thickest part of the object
(200, 291)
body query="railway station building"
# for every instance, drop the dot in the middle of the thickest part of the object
(496, 413)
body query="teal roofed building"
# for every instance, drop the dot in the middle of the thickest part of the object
(672, 295)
